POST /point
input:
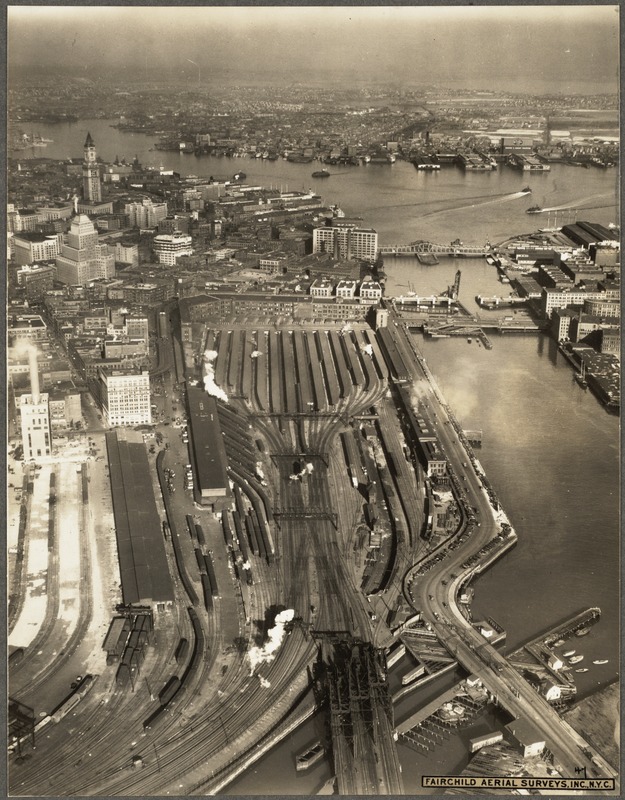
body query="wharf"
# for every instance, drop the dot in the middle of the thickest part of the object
(579, 622)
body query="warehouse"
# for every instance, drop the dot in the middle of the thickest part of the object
(209, 454)
(142, 561)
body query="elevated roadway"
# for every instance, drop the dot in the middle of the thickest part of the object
(434, 594)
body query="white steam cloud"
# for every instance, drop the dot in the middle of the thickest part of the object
(267, 653)
(209, 376)
(308, 469)
(255, 354)
(264, 682)
(368, 349)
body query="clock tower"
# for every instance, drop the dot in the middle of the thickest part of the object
(91, 188)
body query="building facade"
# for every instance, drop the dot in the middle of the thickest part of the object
(125, 397)
(346, 243)
(28, 248)
(35, 423)
(145, 214)
(170, 247)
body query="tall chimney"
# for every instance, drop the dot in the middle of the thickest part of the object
(34, 374)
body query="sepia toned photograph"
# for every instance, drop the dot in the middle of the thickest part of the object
(313, 400)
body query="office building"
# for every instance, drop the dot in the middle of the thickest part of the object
(125, 397)
(145, 214)
(30, 247)
(346, 242)
(169, 247)
(82, 259)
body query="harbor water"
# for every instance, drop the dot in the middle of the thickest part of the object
(549, 448)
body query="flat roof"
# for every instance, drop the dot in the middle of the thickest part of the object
(141, 551)
(208, 445)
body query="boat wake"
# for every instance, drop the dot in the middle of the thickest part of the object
(578, 203)
(493, 200)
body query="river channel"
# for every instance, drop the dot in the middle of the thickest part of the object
(549, 448)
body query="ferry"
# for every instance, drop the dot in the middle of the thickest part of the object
(569, 653)
(576, 659)
(534, 210)
(600, 661)
(309, 757)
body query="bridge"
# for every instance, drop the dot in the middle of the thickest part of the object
(453, 249)
(361, 717)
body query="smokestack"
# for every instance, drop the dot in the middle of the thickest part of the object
(34, 374)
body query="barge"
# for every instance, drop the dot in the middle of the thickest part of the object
(309, 757)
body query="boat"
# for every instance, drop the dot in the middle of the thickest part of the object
(534, 210)
(569, 653)
(526, 190)
(582, 669)
(469, 340)
(239, 176)
(559, 643)
(576, 659)
(582, 632)
(309, 757)
(580, 377)
(600, 661)
(321, 173)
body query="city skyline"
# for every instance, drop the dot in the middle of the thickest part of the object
(536, 48)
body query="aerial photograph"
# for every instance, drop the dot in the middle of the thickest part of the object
(313, 326)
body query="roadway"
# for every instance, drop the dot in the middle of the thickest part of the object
(435, 592)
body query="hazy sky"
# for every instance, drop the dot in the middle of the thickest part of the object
(491, 45)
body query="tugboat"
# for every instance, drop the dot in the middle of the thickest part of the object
(526, 190)
(534, 210)
(309, 757)
(321, 173)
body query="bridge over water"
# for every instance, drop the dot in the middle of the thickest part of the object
(453, 249)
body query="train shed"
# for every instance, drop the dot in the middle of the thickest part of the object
(209, 452)
(141, 551)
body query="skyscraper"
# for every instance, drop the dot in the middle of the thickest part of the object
(91, 187)
(82, 259)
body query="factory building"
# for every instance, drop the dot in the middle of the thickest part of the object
(35, 416)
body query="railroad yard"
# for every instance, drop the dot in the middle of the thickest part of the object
(292, 502)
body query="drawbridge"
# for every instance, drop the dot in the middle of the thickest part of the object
(456, 249)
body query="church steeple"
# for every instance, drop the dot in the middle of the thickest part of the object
(89, 141)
